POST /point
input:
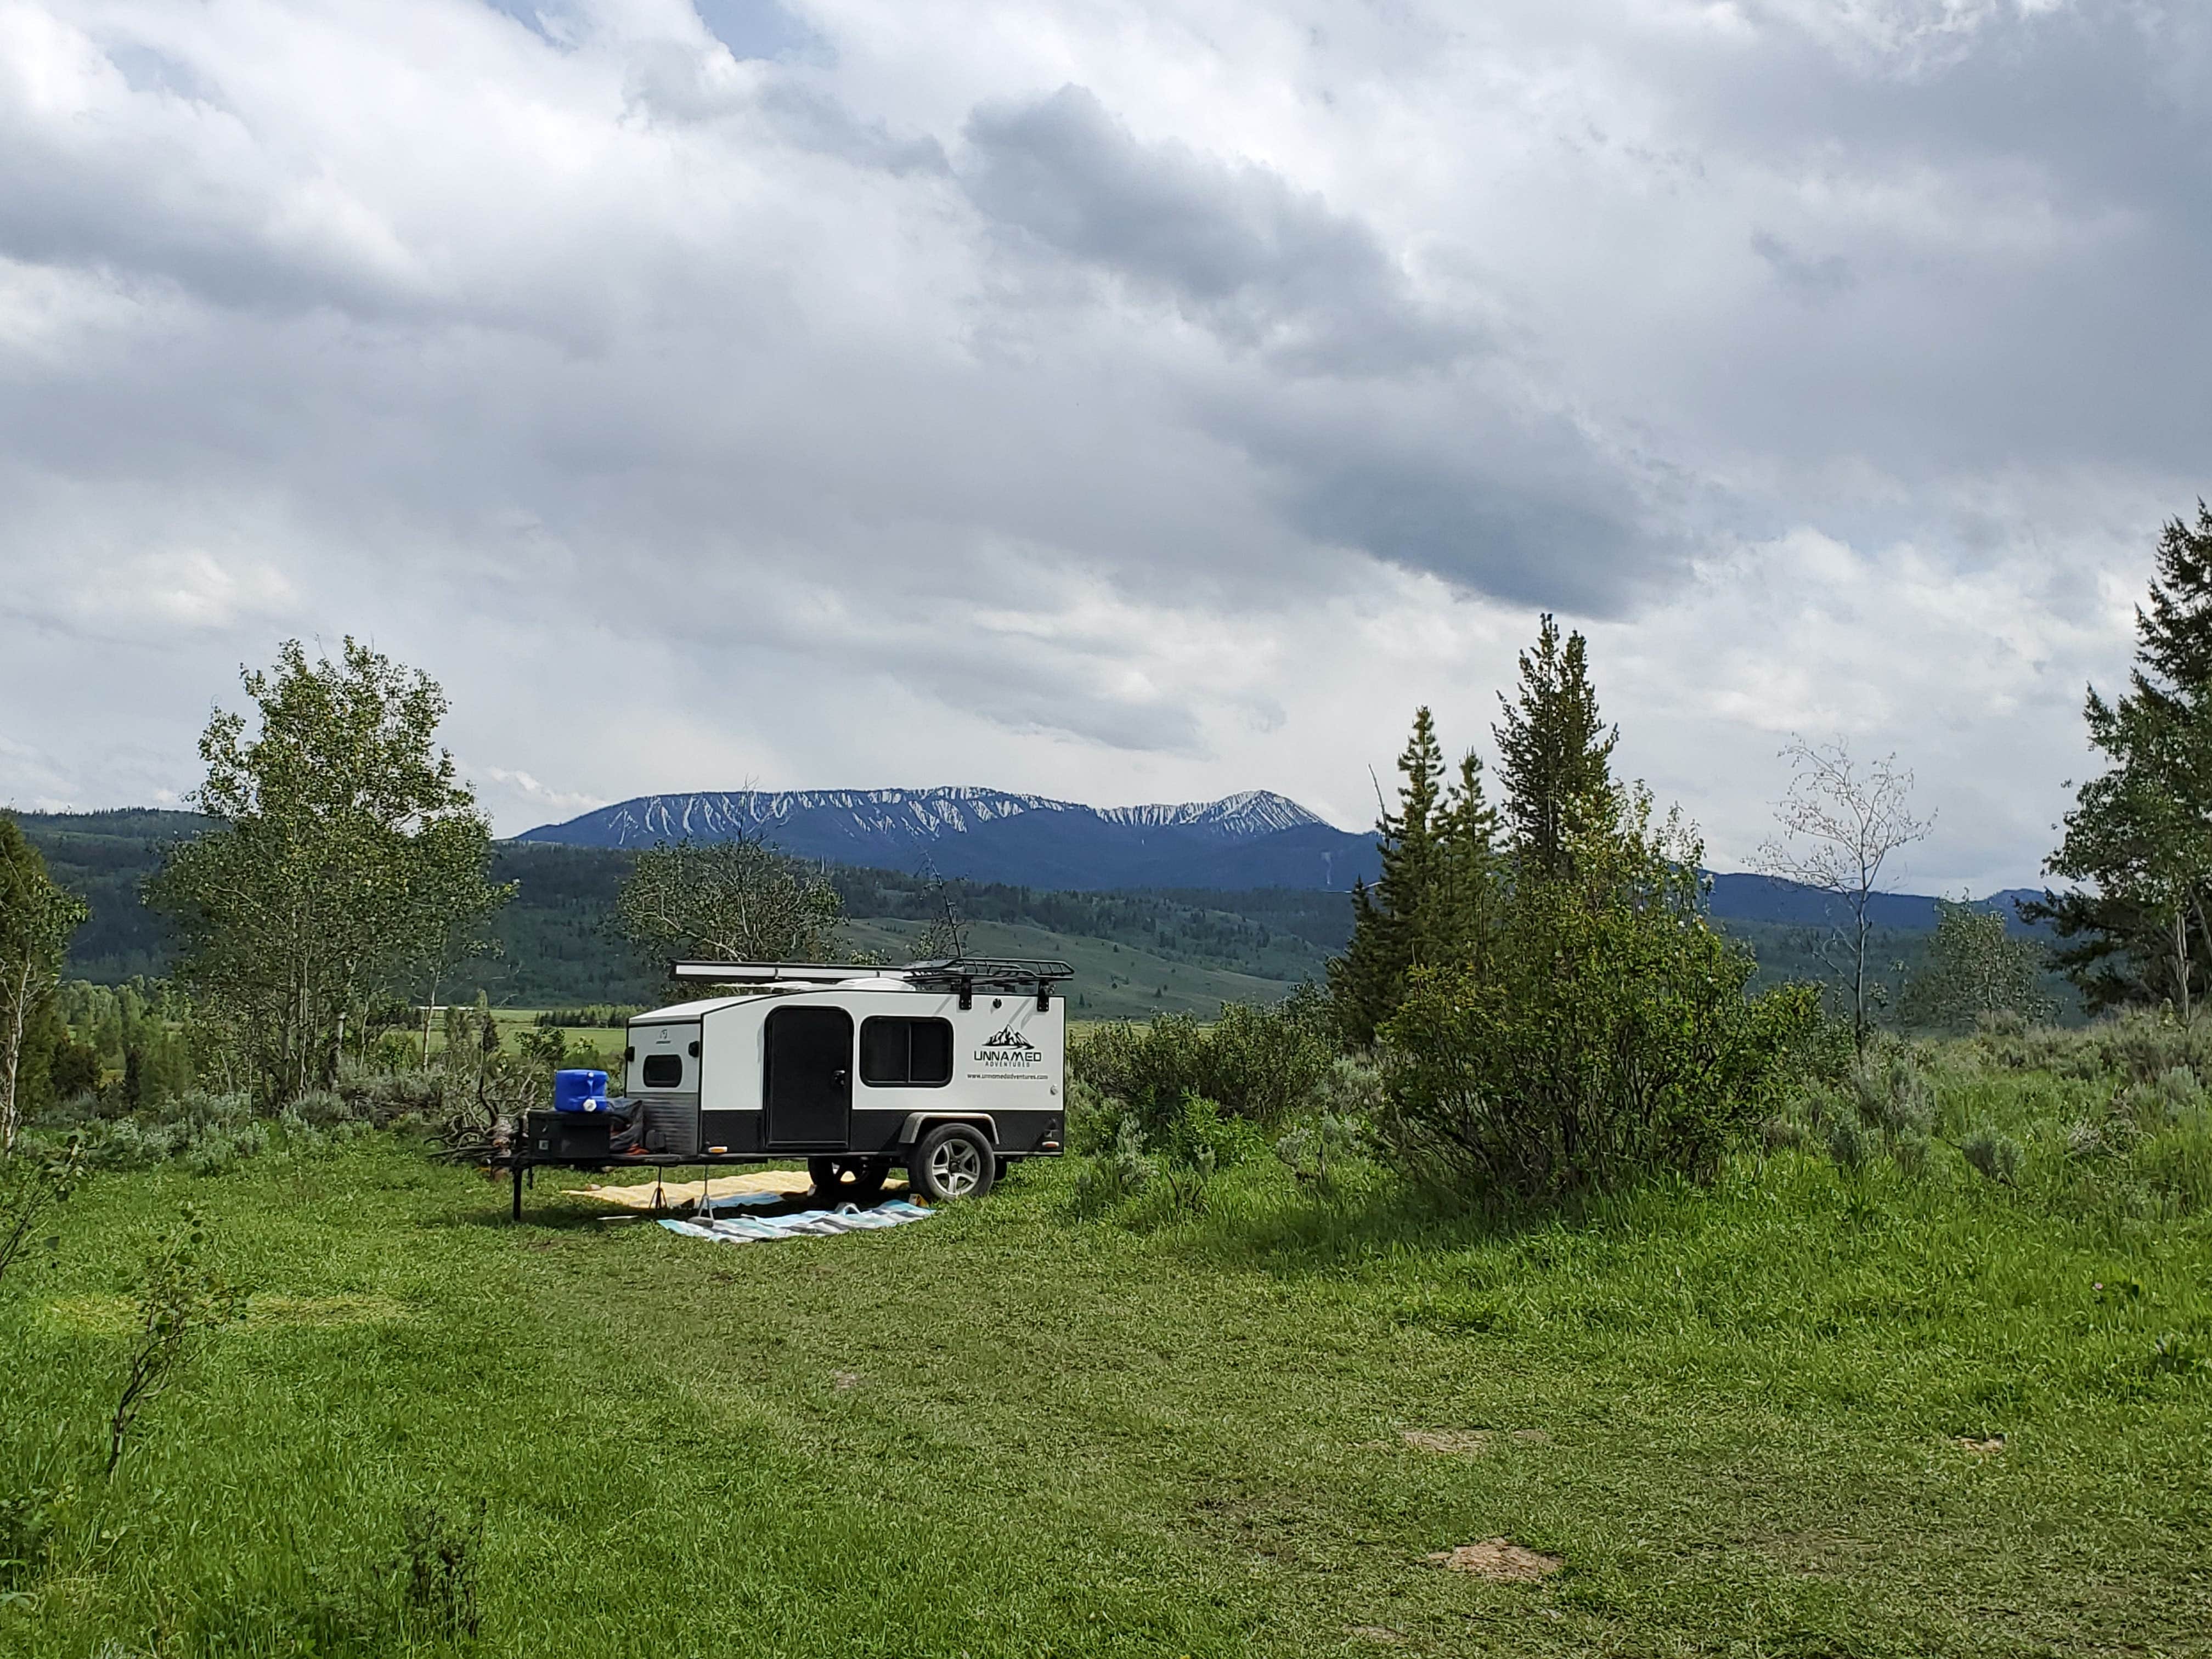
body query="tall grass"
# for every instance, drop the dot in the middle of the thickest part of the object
(1807, 1407)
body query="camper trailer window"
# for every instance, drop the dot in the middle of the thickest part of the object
(664, 1071)
(906, 1053)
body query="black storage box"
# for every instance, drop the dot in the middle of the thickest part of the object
(566, 1134)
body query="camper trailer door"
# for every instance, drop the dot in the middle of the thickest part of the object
(808, 1088)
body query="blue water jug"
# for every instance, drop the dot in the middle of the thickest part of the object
(580, 1091)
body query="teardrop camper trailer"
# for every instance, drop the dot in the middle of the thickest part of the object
(951, 1069)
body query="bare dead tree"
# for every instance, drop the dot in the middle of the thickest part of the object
(735, 899)
(1841, 821)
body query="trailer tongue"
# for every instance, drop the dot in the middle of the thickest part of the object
(950, 1069)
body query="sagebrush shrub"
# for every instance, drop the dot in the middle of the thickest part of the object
(1353, 1092)
(2140, 1045)
(1993, 1154)
(217, 1148)
(1892, 1093)
(1317, 1148)
(1848, 1144)
(1912, 1154)
(1261, 1065)
(383, 1093)
(1118, 1170)
(2175, 1167)
(2175, 1093)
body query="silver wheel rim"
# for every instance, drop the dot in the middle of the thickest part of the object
(955, 1168)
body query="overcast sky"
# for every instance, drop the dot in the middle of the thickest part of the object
(1122, 402)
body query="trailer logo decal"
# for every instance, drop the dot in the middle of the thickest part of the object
(1008, 1050)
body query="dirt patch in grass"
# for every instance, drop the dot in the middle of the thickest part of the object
(344, 1308)
(1467, 1443)
(1810, 1554)
(1980, 1445)
(1383, 1635)
(1500, 1560)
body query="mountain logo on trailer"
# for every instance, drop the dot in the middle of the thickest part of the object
(1007, 1048)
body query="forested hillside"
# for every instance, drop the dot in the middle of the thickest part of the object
(555, 947)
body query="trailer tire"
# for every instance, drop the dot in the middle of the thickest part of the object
(953, 1160)
(848, 1180)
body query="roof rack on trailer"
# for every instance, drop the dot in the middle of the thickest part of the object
(993, 973)
(965, 975)
(775, 973)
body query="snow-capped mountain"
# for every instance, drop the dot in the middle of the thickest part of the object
(1255, 839)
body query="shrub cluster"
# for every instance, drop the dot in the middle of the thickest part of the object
(1261, 1065)
(2140, 1045)
(2144, 1145)
(209, 1133)
(1158, 1111)
(1607, 1034)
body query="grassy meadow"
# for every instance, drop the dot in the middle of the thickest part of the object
(1810, 1410)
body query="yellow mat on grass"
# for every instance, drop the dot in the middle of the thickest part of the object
(638, 1195)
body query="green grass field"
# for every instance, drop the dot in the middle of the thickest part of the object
(1736, 1416)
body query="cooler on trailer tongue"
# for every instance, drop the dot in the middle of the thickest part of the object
(580, 1091)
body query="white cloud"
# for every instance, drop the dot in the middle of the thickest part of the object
(1133, 402)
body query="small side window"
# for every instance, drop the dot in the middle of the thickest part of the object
(664, 1071)
(906, 1053)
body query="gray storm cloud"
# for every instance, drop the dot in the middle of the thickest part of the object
(1149, 406)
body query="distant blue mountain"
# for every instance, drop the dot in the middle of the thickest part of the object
(1239, 842)
(1771, 899)
(1252, 840)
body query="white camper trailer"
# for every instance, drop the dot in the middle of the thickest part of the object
(951, 1069)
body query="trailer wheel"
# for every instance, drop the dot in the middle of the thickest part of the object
(848, 1180)
(953, 1160)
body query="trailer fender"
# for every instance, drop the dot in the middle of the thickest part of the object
(918, 1123)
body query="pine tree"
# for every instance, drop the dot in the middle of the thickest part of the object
(1470, 888)
(1430, 905)
(2174, 634)
(2141, 832)
(1556, 752)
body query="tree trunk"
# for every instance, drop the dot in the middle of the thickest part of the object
(11, 1052)
(2181, 958)
(1858, 973)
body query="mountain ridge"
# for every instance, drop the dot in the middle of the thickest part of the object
(1254, 838)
